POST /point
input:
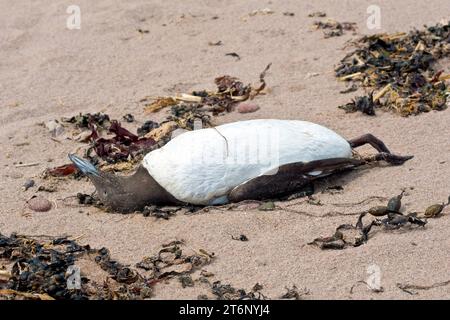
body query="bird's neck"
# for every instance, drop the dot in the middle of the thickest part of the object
(144, 190)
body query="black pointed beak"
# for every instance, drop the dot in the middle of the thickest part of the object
(84, 166)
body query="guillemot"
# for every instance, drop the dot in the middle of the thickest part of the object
(255, 159)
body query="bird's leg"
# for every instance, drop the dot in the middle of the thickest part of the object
(370, 139)
(383, 151)
(389, 158)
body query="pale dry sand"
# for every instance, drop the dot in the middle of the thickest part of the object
(47, 71)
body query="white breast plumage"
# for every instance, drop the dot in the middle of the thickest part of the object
(202, 166)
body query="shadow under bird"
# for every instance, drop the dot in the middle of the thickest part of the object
(245, 160)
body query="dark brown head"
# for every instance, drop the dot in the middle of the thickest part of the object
(124, 194)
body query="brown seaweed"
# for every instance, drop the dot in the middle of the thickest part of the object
(400, 70)
(40, 267)
(347, 235)
(332, 28)
(122, 147)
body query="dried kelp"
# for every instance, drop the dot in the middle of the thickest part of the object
(227, 292)
(160, 212)
(171, 261)
(400, 70)
(230, 91)
(332, 28)
(40, 269)
(294, 293)
(413, 288)
(86, 120)
(319, 14)
(365, 104)
(347, 235)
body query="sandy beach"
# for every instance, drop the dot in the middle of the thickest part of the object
(48, 71)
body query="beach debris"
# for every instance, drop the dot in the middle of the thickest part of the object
(288, 14)
(100, 120)
(164, 131)
(311, 75)
(83, 136)
(395, 203)
(143, 31)
(379, 211)
(230, 91)
(171, 262)
(399, 71)
(62, 171)
(434, 210)
(294, 293)
(87, 199)
(54, 127)
(234, 55)
(122, 147)
(267, 206)
(347, 235)
(398, 220)
(47, 188)
(39, 204)
(217, 43)
(352, 88)
(227, 292)
(42, 267)
(413, 288)
(160, 103)
(186, 280)
(128, 118)
(317, 14)
(24, 165)
(264, 11)
(372, 288)
(364, 104)
(28, 184)
(36, 268)
(332, 28)
(148, 126)
(160, 212)
(241, 237)
(247, 107)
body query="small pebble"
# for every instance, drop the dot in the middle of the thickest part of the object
(39, 204)
(247, 107)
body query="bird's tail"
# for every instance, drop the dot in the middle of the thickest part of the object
(83, 165)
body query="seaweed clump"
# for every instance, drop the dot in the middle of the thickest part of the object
(33, 268)
(348, 235)
(42, 268)
(230, 91)
(400, 70)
